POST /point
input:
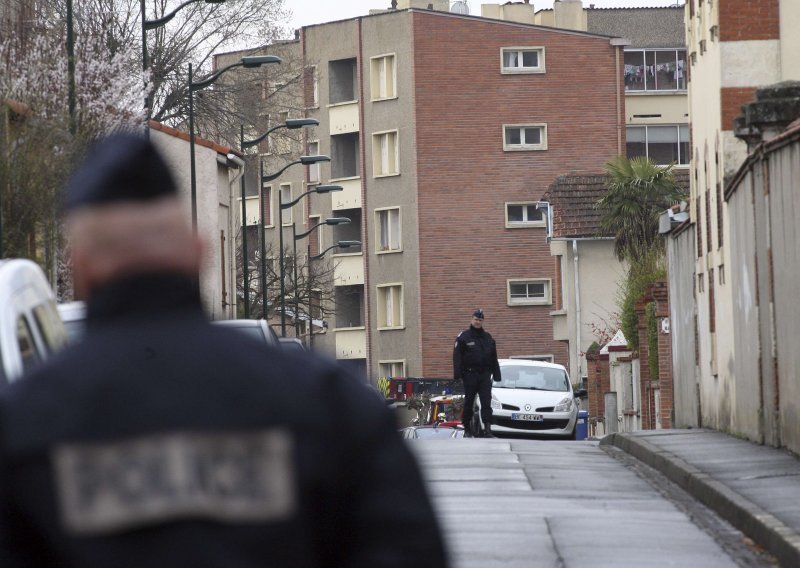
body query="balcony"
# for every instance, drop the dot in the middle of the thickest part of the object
(349, 269)
(343, 117)
(351, 343)
(349, 197)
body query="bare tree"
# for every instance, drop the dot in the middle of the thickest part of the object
(304, 296)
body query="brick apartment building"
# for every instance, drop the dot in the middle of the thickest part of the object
(444, 131)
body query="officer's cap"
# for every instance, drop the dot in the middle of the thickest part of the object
(121, 167)
(478, 313)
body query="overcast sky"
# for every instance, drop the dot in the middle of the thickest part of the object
(307, 12)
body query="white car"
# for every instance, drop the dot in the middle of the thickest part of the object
(30, 329)
(534, 398)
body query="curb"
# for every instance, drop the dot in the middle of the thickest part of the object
(764, 528)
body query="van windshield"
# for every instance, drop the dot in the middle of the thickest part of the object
(534, 378)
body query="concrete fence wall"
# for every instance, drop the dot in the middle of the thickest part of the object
(764, 208)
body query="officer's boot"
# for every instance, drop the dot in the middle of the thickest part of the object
(467, 430)
(487, 431)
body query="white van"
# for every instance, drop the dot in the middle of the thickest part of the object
(30, 327)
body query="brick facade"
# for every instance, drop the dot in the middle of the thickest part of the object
(732, 99)
(599, 372)
(660, 293)
(748, 21)
(462, 101)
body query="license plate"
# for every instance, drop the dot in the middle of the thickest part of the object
(528, 417)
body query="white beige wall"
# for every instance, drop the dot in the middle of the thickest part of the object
(213, 198)
(600, 278)
(790, 39)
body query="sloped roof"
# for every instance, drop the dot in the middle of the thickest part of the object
(174, 132)
(573, 201)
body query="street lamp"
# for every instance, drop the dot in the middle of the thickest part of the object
(151, 25)
(295, 238)
(291, 124)
(340, 244)
(250, 61)
(305, 160)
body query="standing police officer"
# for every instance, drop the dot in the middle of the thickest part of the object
(475, 362)
(161, 440)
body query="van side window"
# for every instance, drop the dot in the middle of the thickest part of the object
(27, 348)
(46, 316)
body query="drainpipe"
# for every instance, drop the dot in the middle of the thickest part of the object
(619, 43)
(577, 308)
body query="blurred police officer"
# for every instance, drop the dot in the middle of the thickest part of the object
(475, 363)
(161, 440)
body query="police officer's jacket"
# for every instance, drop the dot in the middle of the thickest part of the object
(475, 351)
(160, 440)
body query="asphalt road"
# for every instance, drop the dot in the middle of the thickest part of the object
(530, 503)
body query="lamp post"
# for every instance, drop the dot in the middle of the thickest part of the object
(295, 238)
(340, 244)
(151, 25)
(292, 123)
(305, 160)
(250, 61)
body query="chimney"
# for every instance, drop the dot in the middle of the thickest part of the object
(394, 5)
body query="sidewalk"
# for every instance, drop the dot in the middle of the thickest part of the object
(755, 488)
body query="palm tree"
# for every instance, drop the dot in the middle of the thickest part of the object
(638, 192)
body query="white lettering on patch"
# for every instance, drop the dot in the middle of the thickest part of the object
(236, 477)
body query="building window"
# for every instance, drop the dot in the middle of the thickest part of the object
(286, 197)
(313, 169)
(522, 59)
(342, 81)
(663, 144)
(528, 292)
(524, 137)
(387, 227)
(266, 205)
(655, 70)
(384, 154)
(345, 160)
(391, 369)
(390, 306)
(524, 215)
(382, 77)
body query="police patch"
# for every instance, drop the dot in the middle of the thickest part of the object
(234, 477)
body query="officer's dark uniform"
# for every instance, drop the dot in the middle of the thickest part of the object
(161, 440)
(475, 362)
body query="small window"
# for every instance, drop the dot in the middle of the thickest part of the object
(390, 306)
(391, 369)
(266, 204)
(313, 169)
(524, 215)
(524, 137)
(382, 77)
(385, 154)
(286, 197)
(387, 227)
(522, 59)
(529, 292)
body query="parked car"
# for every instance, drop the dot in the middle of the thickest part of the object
(258, 329)
(430, 432)
(534, 398)
(73, 314)
(292, 344)
(30, 328)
